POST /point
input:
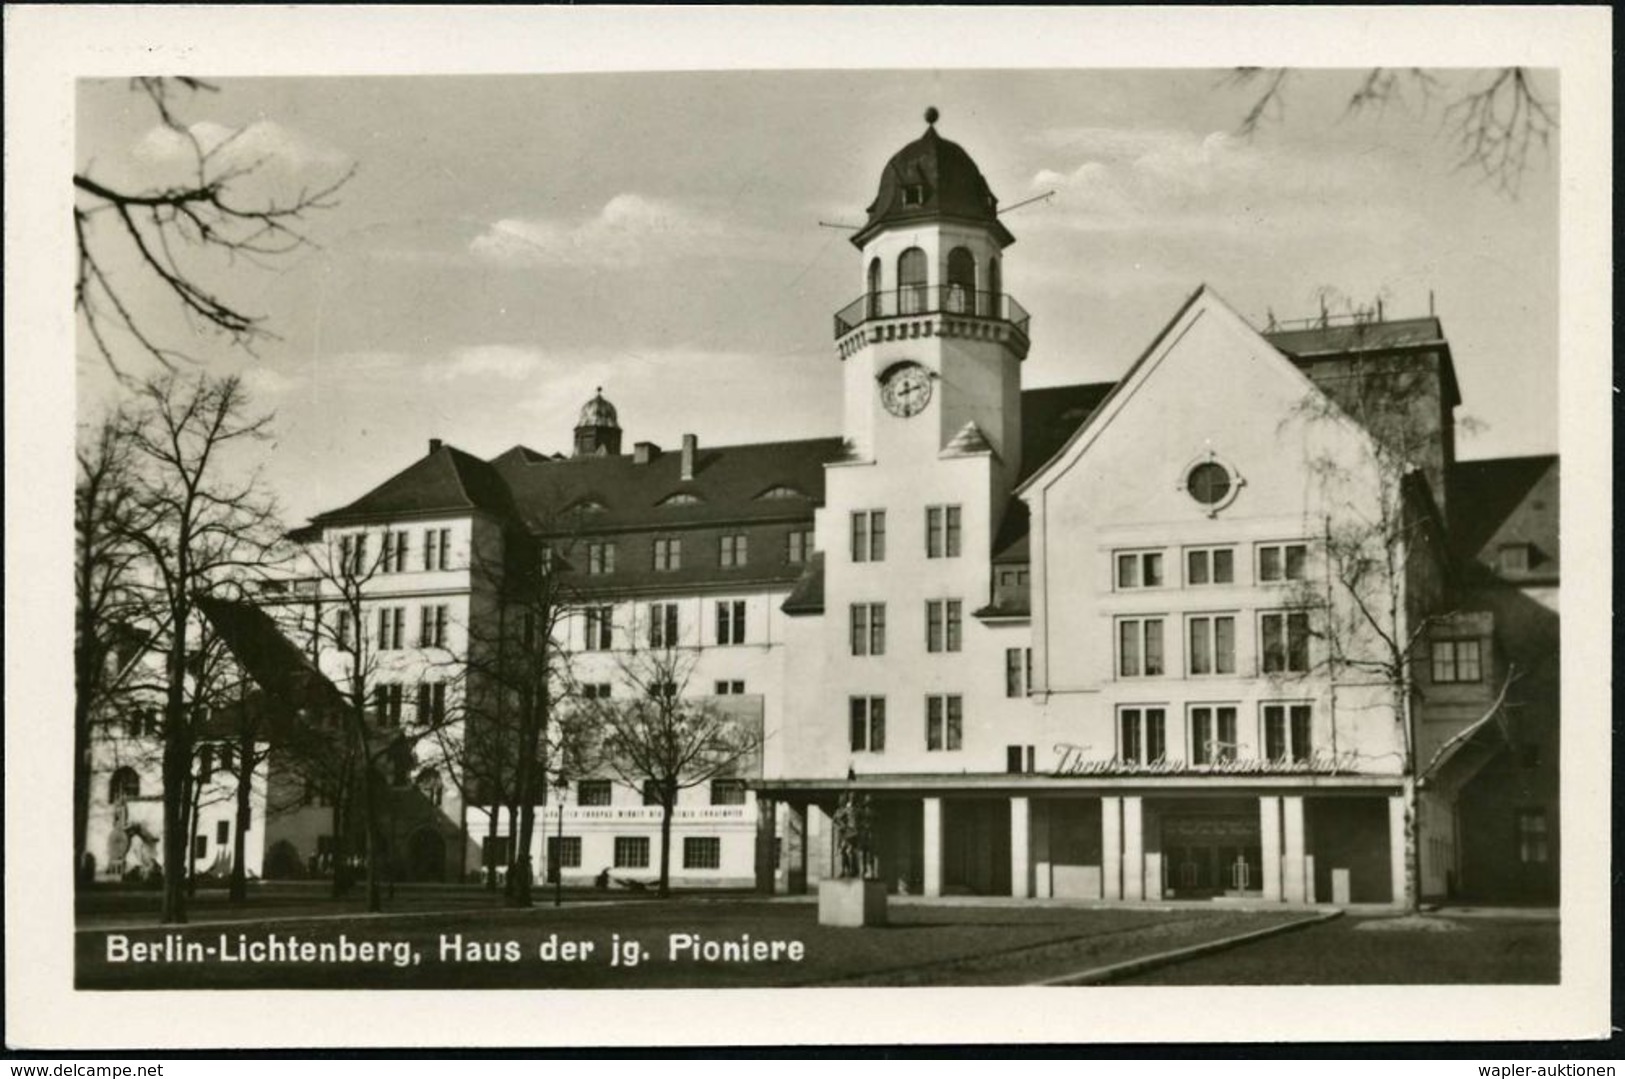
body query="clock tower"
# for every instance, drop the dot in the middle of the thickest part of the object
(931, 350)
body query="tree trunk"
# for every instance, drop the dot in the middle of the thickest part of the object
(177, 772)
(489, 862)
(375, 898)
(666, 806)
(81, 787)
(245, 787)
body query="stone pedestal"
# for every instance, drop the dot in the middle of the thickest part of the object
(847, 901)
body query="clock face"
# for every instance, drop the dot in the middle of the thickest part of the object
(906, 390)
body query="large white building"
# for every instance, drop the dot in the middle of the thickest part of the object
(1216, 629)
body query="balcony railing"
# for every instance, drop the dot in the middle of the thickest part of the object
(936, 299)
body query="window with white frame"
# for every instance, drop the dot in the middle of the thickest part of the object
(942, 531)
(728, 792)
(868, 629)
(867, 724)
(730, 687)
(631, 852)
(564, 851)
(594, 792)
(600, 558)
(1139, 647)
(668, 554)
(1142, 734)
(1532, 848)
(386, 704)
(394, 554)
(1018, 672)
(1210, 565)
(702, 852)
(1212, 644)
(944, 721)
(1282, 561)
(353, 556)
(798, 546)
(391, 628)
(1139, 569)
(432, 625)
(595, 691)
(1286, 732)
(1213, 733)
(1457, 661)
(599, 624)
(869, 536)
(431, 703)
(662, 625)
(944, 625)
(731, 621)
(1284, 642)
(437, 548)
(733, 550)
(344, 628)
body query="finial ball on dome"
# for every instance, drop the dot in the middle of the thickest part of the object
(931, 114)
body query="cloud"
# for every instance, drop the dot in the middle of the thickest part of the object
(262, 144)
(506, 362)
(263, 381)
(631, 229)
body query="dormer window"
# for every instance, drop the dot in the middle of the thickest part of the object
(781, 491)
(913, 194)
(1512, 558)
(681, 498)
(586, 505)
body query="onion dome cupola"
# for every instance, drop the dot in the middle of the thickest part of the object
(598, 428)
(932, 179)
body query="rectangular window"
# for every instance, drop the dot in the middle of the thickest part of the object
(943, 625)
(1210, 565)
(344, 629)
(1139, 569)
(1284, 636)
(595, 691)
(600, 632)
(431, 703)
(727, 792)
(1282, 561)
(600, 558)
(386, 704)
(564, 851)
(1139, 647)
(869, 536)
(662, 625)
(1018, 672)
(868, 629)
(731, 621)
(222, 832)
(631, 852)
(942, 531)
(1212, 644)
(668, 554)
(495, 850)
(1142, 735)
(798, 547)
(868, 724)
(651, 793)
(702, 852)
(437, 548)
(730, 688)
(353, 556)
(1532, 836)
(1213, 733)
(200, 846)
(432, 625)
(391, 628)
(1286, 732)
(1457, 661)
(733, 551)
(944, 722)
(593, 792)
(394, 560)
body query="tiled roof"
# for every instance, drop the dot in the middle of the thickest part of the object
(808, 595)
(446, 480)
(278, 666)
(950, 184)
(1504, 501)
(1050, 415)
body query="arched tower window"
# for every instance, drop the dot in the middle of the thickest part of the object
(995, 286)
(124, 786)
(961, 281)
(874, 288)
(911, 282)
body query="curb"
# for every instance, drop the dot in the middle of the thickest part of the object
(1101, 975)
(360, 915)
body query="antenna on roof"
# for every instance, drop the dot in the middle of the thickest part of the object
(1027, 202)
(837, 225)
(1430, 303)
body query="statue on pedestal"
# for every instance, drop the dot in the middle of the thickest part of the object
(853, 822)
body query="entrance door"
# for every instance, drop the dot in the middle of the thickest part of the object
(1212, 856)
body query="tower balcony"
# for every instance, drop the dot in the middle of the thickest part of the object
(949, 310)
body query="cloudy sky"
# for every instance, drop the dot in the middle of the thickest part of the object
(508, 243)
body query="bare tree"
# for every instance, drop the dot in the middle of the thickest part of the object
(1495, 121)
(172, 229)
(106, 646)
(663, 740)
(198, 528)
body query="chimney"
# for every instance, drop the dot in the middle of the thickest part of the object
(691, 446)
(434, 445)
(644, 452)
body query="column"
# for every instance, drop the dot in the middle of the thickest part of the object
(1293, 888)
(1042, 886)
(1151, 829)
(1020, 848)
(1269, 834)
(766, 828)
(1133, 847)
(931, 839)
(819, 843)
(1111, 848)
(1396, 847)
(795, 850)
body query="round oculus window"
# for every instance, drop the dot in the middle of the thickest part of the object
(1209, 483)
